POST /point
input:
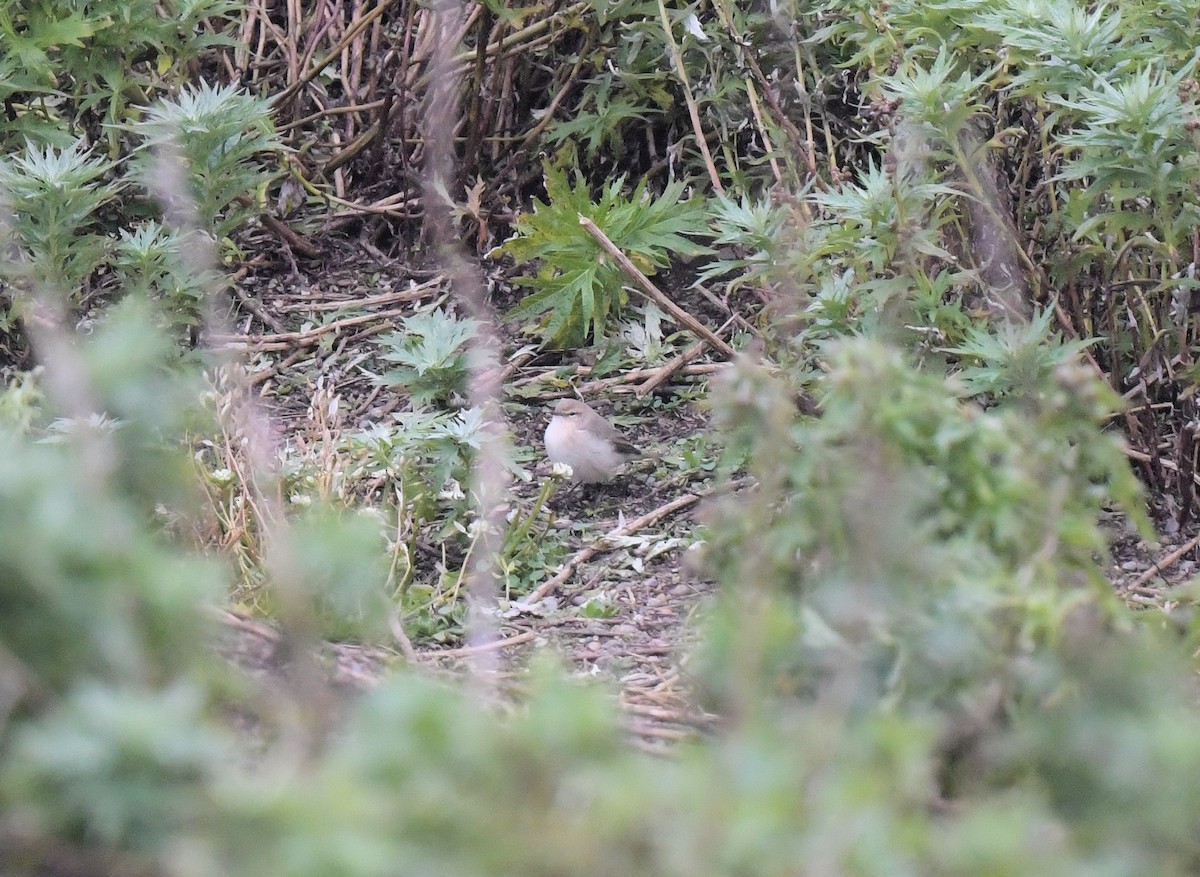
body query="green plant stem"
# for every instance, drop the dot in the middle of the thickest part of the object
(518, 533)
(681, 71)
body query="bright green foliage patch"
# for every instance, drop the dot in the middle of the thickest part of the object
(917, 667)
(219, 135)
(577, 287)
(431, 356)
(932, 540)
(95, 99)
(53, 196)
(65, 61)
(150, 260)
(1015, 360)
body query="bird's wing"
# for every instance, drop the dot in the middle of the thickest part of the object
(626, 448)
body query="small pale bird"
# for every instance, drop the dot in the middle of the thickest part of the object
(585, 441)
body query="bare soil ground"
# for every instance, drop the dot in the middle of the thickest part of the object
(628, 537)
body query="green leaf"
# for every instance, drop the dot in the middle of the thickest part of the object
(574, 283)
(431, 352)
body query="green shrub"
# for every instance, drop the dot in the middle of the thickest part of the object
(69, 65)
(219, 135)
(576, 282)
(929, 536)
(918, 665)
(78, 78)
(431, 357)
(54, 197)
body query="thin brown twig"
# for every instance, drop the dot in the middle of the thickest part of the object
(664, 373)
(689, 99)
(663, 714)
(245, 624)
(264, 316)
(604, 543)
(653, 292)
(745, 324)
(644, 730)
(467, 651)
(1146, 458)
(401, 638)
(415, 293)
(629, 377)
(307, 121)
(752, 93)
(804, 146)
(309, 336)
(1161, 566)
(267, 373)
(299, 81)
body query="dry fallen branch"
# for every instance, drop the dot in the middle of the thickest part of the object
(666, 372)
(284, 340)
(663, 714)
(629, 377)
(415, 293)
(490, 646)
(652, 292)
(1158, 567)
(604, 543)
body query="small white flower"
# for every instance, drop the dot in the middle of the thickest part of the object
(692, 25)
(224, 477)
(452, 491)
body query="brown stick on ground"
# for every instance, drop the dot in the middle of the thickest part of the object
(309, 336)
(490, 646)
(1162, 565)
(602, 544)
(652, 292)
(664, 373)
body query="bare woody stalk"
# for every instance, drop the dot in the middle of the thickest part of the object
(693, 111)
(441, 115)
(307, 715)
(652, 292)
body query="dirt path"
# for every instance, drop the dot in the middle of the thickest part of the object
(618, 606)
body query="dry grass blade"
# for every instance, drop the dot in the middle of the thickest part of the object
(697, 128)
(488, 474)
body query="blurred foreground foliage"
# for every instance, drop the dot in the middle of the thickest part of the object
(919, 665)
(118, 169)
